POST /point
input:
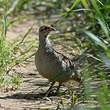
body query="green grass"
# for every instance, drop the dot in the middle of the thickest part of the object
(97, 41)
(92, 33)
(9, 58)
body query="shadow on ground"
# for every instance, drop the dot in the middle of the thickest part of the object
(29, 96)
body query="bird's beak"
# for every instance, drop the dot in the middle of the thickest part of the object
(53, 29)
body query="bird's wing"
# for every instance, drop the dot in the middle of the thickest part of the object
(64, 59)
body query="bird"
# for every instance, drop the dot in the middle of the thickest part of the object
(52, 64)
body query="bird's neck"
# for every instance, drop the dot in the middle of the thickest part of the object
(44, 42)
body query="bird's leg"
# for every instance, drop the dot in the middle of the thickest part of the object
(47, 83)
(48, 91)
(58, 88)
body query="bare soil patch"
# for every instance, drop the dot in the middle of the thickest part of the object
(30, 95)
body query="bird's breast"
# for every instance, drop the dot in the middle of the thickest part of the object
(50, 67)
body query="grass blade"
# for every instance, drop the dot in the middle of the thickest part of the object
(103, 26)
(95, 39)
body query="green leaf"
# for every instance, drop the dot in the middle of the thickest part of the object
(71, 8)
(97, 11)
(75, 4)
(95, 39)
(12, 8)
(103, 26)
(85, 3)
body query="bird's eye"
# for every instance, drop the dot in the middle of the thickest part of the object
(46, 28)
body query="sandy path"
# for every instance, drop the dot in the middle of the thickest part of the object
(29, 96)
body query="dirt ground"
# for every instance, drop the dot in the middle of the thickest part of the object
(30, 94)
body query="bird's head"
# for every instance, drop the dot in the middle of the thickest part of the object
(45, 30)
